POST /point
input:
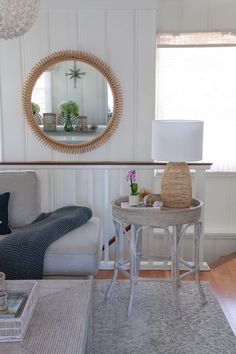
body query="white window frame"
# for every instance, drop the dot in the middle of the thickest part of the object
(203, 39)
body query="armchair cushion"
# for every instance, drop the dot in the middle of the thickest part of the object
(76, 253)
(24, 203)
(4, 199)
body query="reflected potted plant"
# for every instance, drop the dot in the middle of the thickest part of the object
(69, 109)
(35, 108)
(134, 195)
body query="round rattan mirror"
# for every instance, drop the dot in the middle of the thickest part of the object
(86, 81)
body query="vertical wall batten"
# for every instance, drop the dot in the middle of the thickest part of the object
(23, 77)
(90, 187)
(106, 214)
(50, 30)
(135, 82)
(78, 30)
(1, 115)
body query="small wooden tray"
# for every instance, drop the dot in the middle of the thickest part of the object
(149, 216)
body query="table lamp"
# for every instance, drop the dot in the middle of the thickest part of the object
(177, 141)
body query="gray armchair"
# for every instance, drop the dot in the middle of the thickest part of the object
(76, 253)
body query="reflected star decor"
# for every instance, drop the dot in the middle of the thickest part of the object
(17, 17)
(75, 74)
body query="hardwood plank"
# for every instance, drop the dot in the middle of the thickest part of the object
(223, 260)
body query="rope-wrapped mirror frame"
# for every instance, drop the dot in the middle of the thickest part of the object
(95, 62)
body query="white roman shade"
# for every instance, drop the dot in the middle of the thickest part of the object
(195, 39)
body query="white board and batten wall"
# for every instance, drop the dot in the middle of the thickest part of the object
(123, 34)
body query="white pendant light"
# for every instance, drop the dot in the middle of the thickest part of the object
(17, 17)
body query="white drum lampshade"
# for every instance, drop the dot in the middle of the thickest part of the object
(177, 141)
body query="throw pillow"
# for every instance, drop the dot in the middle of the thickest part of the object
(4, 199)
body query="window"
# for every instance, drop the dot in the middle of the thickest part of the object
(196, 79)
(42, 93)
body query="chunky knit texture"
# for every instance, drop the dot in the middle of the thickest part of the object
(22, 252)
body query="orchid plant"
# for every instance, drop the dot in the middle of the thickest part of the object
(131, 177)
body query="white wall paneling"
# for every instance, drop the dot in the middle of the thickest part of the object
(64, 30)
(96, 186)
(11, 85)
(191, 15)
(168, 16)
(194, 15)
(221, 15)
(144, 110)
(35, 45)
(123, 34)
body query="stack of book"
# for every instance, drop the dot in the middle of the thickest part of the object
(15, 302)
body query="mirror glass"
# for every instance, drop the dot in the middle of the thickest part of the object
(78, 82)
(72, 101)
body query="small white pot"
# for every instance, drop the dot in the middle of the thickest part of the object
(133, 200)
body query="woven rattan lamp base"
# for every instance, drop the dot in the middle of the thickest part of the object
(176, 185)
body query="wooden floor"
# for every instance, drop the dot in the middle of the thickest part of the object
(222, 279)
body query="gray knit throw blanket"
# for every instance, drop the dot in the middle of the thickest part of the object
(22, 252)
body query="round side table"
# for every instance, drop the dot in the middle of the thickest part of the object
(175, 223)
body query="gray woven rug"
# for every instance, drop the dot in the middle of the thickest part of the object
(153, 327)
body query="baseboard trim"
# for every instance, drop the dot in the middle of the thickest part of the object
(152, 265)
(222, 260)
(208, 235)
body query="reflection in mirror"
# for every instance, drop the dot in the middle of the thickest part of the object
(81, 83)
(72, 101)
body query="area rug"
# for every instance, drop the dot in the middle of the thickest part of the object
(153, 327)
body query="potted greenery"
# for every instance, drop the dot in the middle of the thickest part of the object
(35, 108)
(134, 195)
(69, 109)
